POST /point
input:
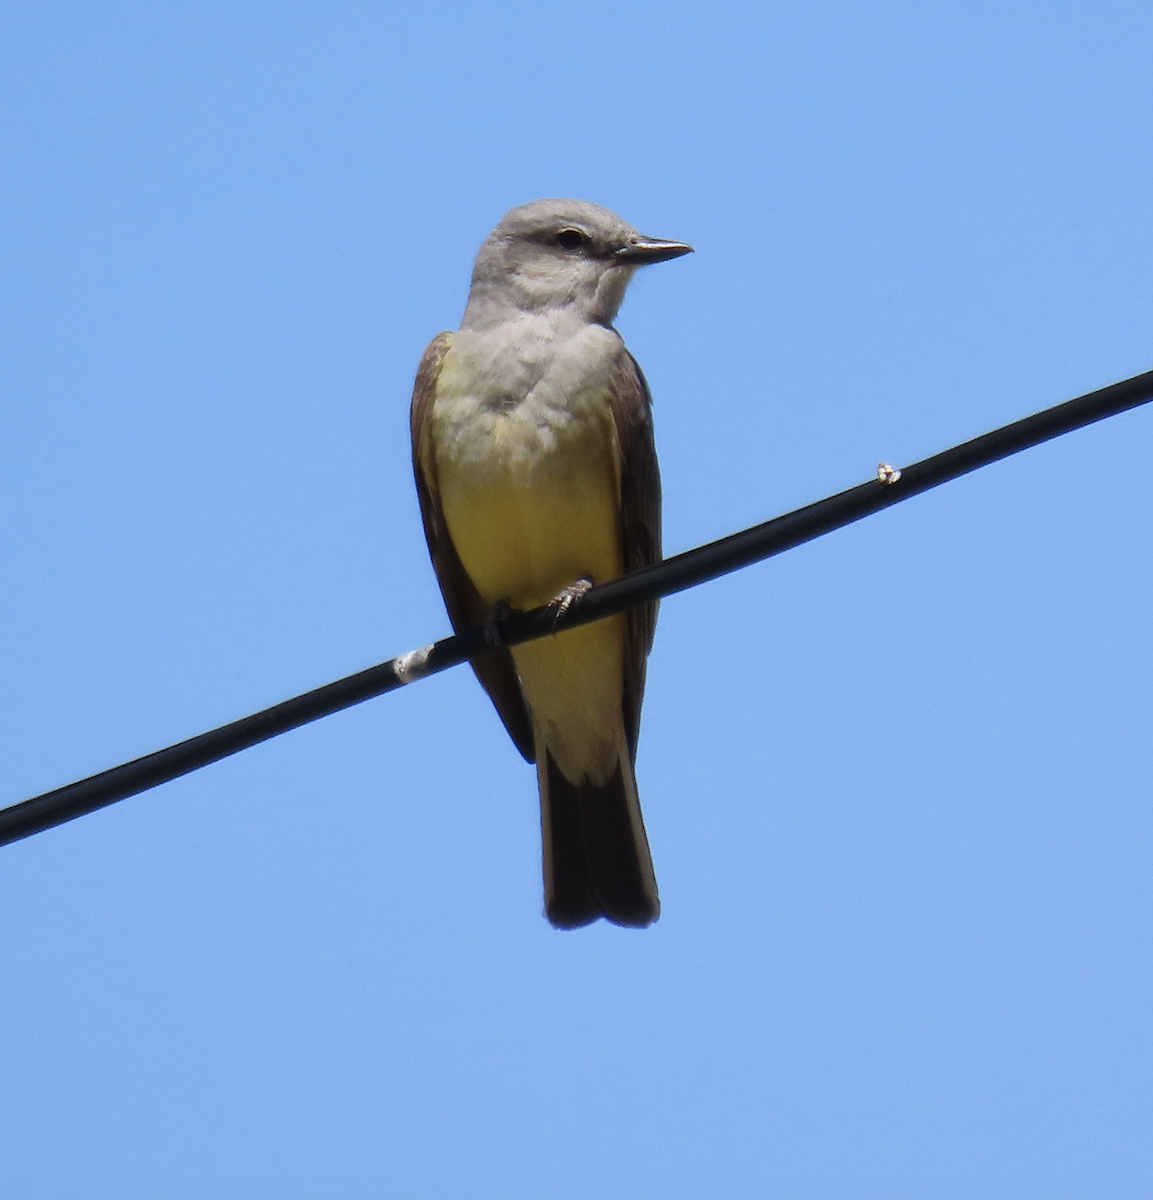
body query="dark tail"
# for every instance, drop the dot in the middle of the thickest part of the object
(596, 854)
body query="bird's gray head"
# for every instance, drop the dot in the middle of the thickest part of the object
(556, 254)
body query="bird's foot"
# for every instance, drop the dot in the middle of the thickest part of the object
(573, 594)
(495, 623)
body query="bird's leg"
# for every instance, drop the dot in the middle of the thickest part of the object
(573, 594)
(494, 624)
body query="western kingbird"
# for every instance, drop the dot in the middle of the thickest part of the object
(533, 449)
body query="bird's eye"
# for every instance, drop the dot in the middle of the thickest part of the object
(572, 239)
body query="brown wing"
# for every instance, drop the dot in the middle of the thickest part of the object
(466, 610)
(640, 522)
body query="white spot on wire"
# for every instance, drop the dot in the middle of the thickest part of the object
(411, 666)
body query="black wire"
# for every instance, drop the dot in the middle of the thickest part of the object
(673, 575)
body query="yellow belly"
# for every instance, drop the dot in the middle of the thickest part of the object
(523, 540)
(525, 527)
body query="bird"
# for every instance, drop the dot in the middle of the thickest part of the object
(537, 478)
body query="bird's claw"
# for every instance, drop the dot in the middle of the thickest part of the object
(494, 624)
(573, 594)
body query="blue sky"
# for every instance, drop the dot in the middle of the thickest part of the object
(896, 781)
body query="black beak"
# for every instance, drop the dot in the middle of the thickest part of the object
(651, 250)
